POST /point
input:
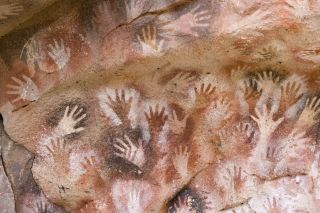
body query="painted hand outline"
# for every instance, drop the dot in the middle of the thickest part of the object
(203, 95)
(42, 207)
(57, 149)
(12, 9)
(127, 150)
(267, 53)
(121, 105)
(151, 45)
(35, 56)
(69, 121)
(180, 160)
(102, 13)
(290, 93)
(265, 121)
(26, 89)
(177, 126)
(156, 119)
(59, 53)
(309, 115)
(311, 55)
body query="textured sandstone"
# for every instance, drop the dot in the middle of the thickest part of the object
(165, 106)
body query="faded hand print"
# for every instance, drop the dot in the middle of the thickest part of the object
(24, 90)
(11, 9)
(127, 150)
(180, 160)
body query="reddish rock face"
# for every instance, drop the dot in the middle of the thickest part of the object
(164, 106)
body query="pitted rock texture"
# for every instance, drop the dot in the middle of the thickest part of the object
(136, 106)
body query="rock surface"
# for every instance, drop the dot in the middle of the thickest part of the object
(173, 106)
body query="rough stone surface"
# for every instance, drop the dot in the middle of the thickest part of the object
(135, 106)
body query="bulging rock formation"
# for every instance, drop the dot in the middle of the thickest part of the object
(135, 106)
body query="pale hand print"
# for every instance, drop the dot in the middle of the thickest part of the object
(150, 43)
(203, 95)
(89, 164)
(310, 113)
(267, 81)
(273, 206)
(265, 121)
(222, 109)
(183, 206)
(300, 8)
(188, 23)
(69, 121)
(180, 160)
(177, 126)
(25, 89)
(35, 56)
(156, 119)
(134, 8)
(134, 200)
(127, 150)
(60, 54)
(249, 23)
(296, 138)
(12, 9)
(121, 105)
(310, 55)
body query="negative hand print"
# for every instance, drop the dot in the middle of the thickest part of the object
(69, 121)
(103, 13)
(121, 105)
(134, 8)
(236, 178)
(177, 126)
(180, 160)
(181, 81)
(12, 9)
(245, 131)
(182, 206)
(134, 200)
(273, 206)
(188, 23)
(25, 90)
(42, 207)
(127, 150)
(151, 45)
(291, 92)
(310, 55)
(59, 54)
(57, 149)
(267, 81)
(35, 56)
(271, 154)
(156, 119)
(89, 164)
(222, 109)
(310, 113)
(203, 95)
(265, 122)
